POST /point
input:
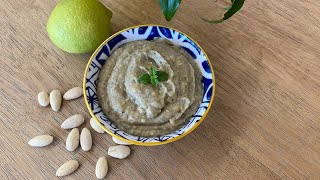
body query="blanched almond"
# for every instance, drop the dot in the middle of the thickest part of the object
(119, 151)
(67, 168)
(85, 139)
(55, 100)
(72, 141)
(96, 126)
(73, 121)
(101, 168)
(118, 141)
(43, 99)
(73, 93)
(41, 141)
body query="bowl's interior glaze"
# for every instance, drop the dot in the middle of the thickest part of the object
(147, 32)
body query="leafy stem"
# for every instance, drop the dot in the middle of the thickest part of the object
(154, 77)
(169, 8)
(231, 10)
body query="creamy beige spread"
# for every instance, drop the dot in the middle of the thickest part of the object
(144, 109)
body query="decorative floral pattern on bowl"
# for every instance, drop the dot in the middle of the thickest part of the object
(147, 32)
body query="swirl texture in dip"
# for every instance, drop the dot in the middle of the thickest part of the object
(144, 109)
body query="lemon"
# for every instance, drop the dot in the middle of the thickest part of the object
(79, 26)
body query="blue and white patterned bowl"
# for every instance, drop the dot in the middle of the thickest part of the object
(147, 32)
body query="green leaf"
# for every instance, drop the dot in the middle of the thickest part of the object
(169, 8)
(154, 77)
(227, 8)
(162, 76)
(144, 79)
(235, 7)
(154, 81)
(152, 71)
(213, 21)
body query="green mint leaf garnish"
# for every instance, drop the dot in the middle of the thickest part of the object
(154, 81)
(162, 76)
(152, 71)
(154, 77)
(144, 79)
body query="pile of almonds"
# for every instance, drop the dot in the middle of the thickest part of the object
(55, 98)
(75, 138)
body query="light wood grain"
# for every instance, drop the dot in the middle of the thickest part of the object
(264, 123)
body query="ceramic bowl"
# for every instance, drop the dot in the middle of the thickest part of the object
(147, 32)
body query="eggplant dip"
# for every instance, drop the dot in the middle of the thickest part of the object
(149, 88)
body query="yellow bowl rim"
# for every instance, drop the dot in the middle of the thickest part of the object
(133, 141)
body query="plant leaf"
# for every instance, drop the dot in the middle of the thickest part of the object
(227, 8)
(144, 79)
(235, 7)
(152, 71)
(154, 81)
(213, 21)
(154, 77)
(169, 8)
(162, 76)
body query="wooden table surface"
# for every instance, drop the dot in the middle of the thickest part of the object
(265, 120)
